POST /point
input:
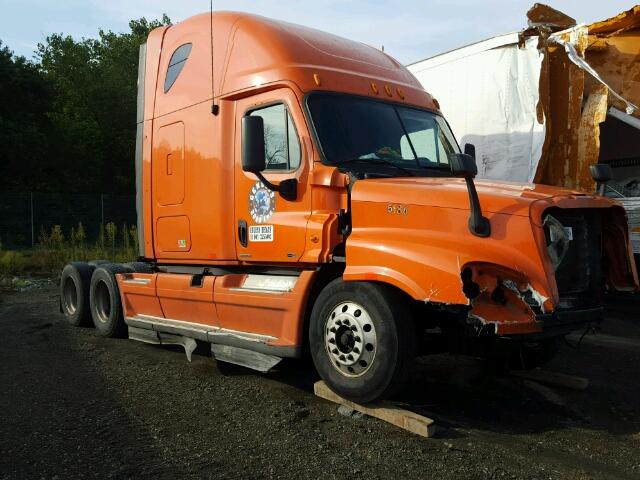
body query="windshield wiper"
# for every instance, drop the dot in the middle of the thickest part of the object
(378, 161)
(441, 167)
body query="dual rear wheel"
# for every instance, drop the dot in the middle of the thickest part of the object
(89, 295)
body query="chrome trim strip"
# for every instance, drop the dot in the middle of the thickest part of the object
(162, 324)
(256, 290)
(253, 337)
(138, 281)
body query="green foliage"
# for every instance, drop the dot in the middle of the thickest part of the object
(54, 250)
(111, 231)
(25, 131)
(67, 122)
(10, 262)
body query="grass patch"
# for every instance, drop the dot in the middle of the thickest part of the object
(55, 250)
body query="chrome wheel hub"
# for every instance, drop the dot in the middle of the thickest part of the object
(350, 339)
(69, 296)
(102, 302)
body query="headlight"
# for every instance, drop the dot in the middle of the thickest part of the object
(558, 238)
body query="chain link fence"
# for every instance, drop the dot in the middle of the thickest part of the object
(24, 215)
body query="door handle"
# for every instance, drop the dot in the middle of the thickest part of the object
(242, 232)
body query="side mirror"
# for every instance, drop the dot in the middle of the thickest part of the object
(601, 172)
(253, 159)
(470, 149)
(463, 165)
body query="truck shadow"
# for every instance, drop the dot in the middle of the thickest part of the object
(465, 395)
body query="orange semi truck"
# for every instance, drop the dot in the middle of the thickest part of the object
(299, 193)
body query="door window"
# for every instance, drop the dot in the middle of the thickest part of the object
(282, 147)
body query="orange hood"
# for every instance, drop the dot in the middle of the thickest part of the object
(423, 248)
(495, 196)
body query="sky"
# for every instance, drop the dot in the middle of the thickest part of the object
(409, 30)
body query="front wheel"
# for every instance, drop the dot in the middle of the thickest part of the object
(361, 340)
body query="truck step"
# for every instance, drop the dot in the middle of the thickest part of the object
(161, 338)
(245, 358)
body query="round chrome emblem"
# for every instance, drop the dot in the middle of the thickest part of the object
(262, 203)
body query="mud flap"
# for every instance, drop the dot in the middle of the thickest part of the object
(245, 358)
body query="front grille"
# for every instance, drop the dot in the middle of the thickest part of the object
(579, 273)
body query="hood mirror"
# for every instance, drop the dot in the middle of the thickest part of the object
(601, 173)
(464, 165)
(470, 149)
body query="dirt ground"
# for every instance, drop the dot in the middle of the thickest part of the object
(76, 405)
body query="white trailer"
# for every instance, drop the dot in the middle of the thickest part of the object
(544, 104)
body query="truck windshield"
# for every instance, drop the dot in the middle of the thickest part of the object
(358, 133)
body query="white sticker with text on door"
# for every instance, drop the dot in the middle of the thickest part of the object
(261, 233)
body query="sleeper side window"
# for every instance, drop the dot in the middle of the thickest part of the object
(281, 144)
(176, 64)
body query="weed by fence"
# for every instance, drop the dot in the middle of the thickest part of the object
(55, 248)
(23, 215)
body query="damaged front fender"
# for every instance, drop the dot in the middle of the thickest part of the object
(502, 301)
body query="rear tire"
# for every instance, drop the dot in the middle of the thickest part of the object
(361, 340)
(104, 299)
(139, 267)
(97, 263)
(74, 293)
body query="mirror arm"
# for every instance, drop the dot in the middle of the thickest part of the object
(271, 186)
(288, 189)
(479, 225)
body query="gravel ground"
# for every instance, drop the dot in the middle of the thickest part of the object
(76, 405)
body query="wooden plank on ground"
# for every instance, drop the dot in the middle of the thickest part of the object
(410, 421)
(553, 379)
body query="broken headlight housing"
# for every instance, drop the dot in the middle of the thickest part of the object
(558, 238)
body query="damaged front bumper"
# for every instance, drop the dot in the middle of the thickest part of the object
(502, 302)
(541, 325)
(562, 322)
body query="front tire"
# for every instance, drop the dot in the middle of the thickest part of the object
(361, 340)
(104, 298)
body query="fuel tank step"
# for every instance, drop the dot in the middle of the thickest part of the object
(245, 358)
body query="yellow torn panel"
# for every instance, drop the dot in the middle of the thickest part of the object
(620, 23)
(593, 113)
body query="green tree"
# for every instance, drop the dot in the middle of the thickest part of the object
(93, 108)
(25, 96)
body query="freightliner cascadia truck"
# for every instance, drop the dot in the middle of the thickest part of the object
(301, 194)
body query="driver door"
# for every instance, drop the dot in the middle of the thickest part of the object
(269, 227)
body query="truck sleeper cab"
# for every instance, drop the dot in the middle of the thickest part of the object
(299, 192)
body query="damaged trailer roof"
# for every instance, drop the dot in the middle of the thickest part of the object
(544, 104)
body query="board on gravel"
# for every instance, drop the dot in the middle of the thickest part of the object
(410, 421)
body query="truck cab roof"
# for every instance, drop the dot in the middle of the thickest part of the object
(251, 52)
